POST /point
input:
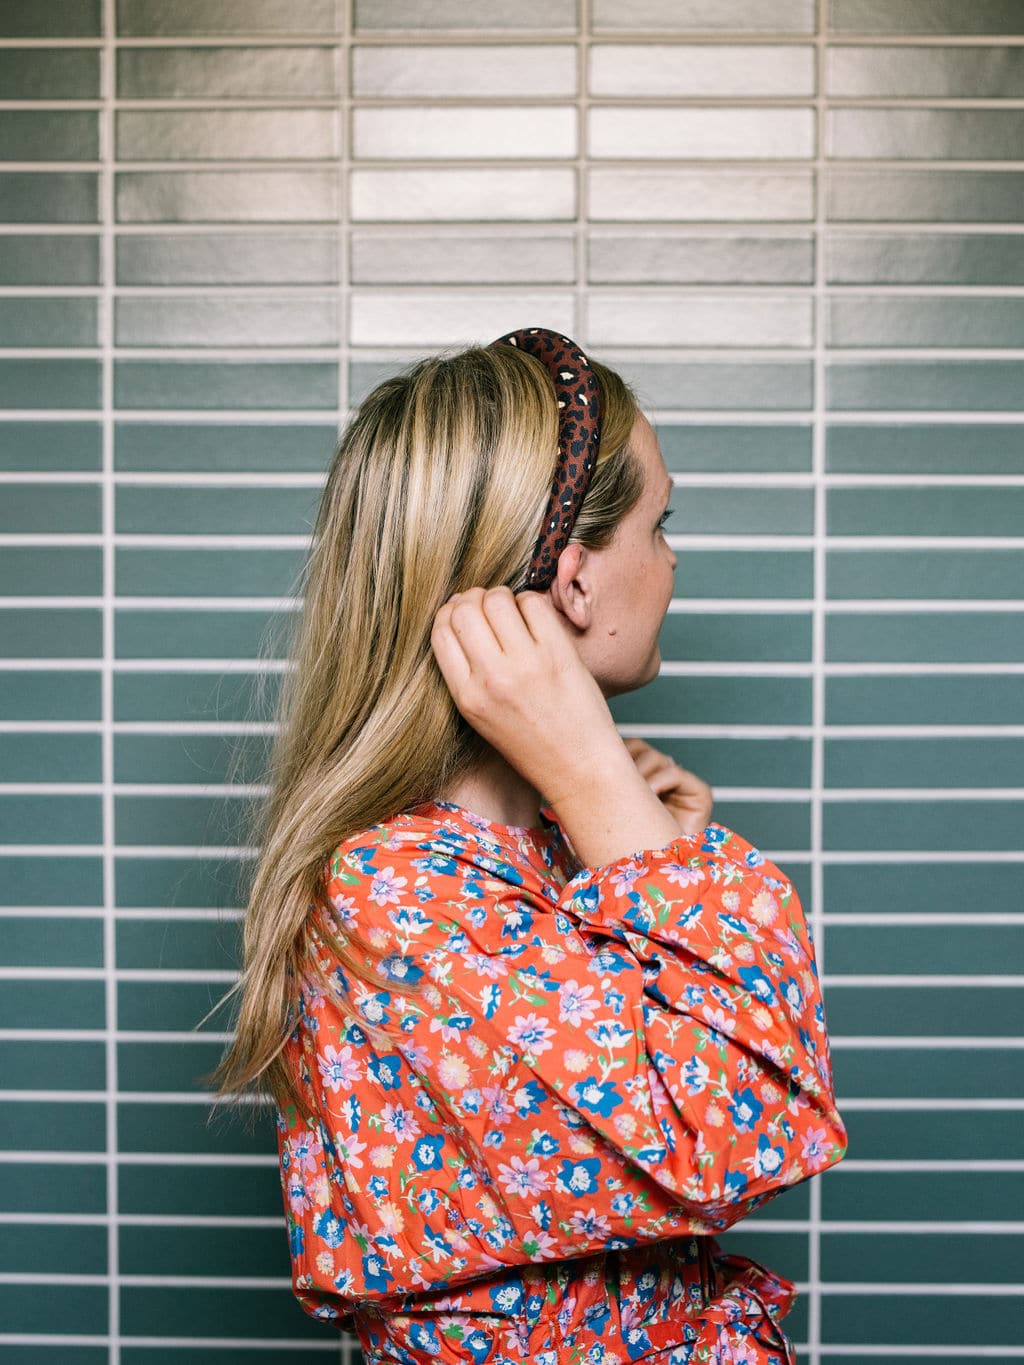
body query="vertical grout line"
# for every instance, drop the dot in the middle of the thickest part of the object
(105, 324)
(582, 320)
(817, 923)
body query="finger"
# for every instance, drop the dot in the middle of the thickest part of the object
(541, 617)
(448, 653)
(472, 629)
(511, 631)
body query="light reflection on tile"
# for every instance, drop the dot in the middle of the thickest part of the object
(226, 196)
(431, 258)
(952, 134)
(205, 320)
(152, 73)
(896, 196)
(381, 317)
(700, 319)
(156, 18)
(548, 16)
(450, 195)
(906, 72)
(870, 320)
(697, 16)
(650, 69)
(227, 135)
(925, 17)
(493, 72)
(228, 258)
(653, 194)
(926, 258)
(671, 259)
(423, 133)
(707, 133)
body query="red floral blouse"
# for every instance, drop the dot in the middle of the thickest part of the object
(598, 1069)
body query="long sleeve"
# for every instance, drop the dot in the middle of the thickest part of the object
(643, 1057)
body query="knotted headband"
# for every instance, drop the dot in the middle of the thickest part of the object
(579, 435)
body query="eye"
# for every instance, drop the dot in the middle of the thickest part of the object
(664, 517)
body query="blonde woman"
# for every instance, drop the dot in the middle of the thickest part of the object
(535, 1026)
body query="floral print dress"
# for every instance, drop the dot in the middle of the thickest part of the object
(587, 1073)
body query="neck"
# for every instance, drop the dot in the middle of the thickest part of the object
(498, 792)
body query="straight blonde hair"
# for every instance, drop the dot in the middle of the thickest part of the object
(439, 483)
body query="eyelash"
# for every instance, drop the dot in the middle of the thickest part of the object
(665, 516)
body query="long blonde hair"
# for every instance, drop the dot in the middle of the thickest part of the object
(439, 483)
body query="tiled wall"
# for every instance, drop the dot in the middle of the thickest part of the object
(799, 230)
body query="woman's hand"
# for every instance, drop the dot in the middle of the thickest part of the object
(684, 794)
(518, 680)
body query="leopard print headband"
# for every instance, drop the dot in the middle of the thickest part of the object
(579, 436)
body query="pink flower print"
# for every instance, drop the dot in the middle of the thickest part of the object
(679, 875)
(623, 880)
(418, 1056)
(499, 1106)
(345, 911)
(813, 1149)
(386, 887)
(789, 941)
(590, 1225)
(338, 1069)
(400, 1122)
(524, 1177)
(484, 965)
(306, 1150)
(718, 1019)
(532, 1033)
(575, 1004)
(348, 1149)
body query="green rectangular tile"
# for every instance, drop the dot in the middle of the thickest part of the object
(180, 1066)
(226, 1355)
(924, 1011)
(223, 196)
(143, 572)
(920, 1257)
(30, 694)
(39, 322)
(976, 762)
(742, 511)
(925, 17)
(967, 574)
(190, 1130)
(225, 384)
(908, 949)
(227, 72)
(155, 820)
(710, 700)
(48, 571)
(157, 18)
(200, 321)
(769, 825)
(170, 634)
(764, 385)
(736, 636)
(192, 696)
(299, 257)
(39, 632)
(69, 508)
(191, 758)
(720, 259)
(40, 819)
(65, 1004)
(177, 1006)
(68, 447)
(55, 19)
(64, 1065)
(789, 1205)
(744, 573)
(935, 700)
(925, 448)
(37, 1249)
(69, 757)
(923, 825)
(923, 1319)
(77, 1309)
(224, 447)
(742, 762)
(926, 637)
(199, 511)
(56, 135)
(49, 196)
(917, 72)
(923, 1073)
(79, 943)
(87, 1132)
(922, 196)
(714, 448)
(921, 888)
(950, 385)
(785, 1252)
(948, 258)
(204, 1251)
(49, 384)
(178, 943)
(26, 880)
(190, 882)
(867, 320)
(920, 134)
(939, 1135)
(219, 1189)
(54, 260)
(28, 73)
(161, 1311)
(52, 1187)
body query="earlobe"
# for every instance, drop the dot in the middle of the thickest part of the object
(568, 591)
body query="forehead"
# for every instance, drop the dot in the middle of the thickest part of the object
(657, 479)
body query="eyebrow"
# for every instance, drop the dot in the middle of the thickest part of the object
(669, 487)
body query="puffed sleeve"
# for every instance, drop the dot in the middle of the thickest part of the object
(644, 1057)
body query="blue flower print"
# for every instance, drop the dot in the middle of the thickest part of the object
(792, 994)
(757, 983)
(767, 1159)
(541, 1214)
(600, 1097)
(542, 1144)
(386, 1070)
(297, 1239)
(609, 1033)
(507, 1297)
(376, 1273)
(423, 1337)
(528, 1099)
(435, 1242)
(638, 1343)
(609, 962)
(490, 998)
(478, 1343)
(329, 1228)
(377, 1186)
(696, 1074)
(516, 922)
(400, 968)
(494, 1137)
(746, 1109)
(427, 1201)
(426, 1153)
(735, 1183)
(578, 1177)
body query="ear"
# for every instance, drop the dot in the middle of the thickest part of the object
(571, 589)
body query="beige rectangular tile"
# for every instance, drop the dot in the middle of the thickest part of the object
(457, 195)
(654, 195)
(271, 196)
(464, 71)
(705, 16)
(151, 18)
(392, 317)
(706, 69)
(461, 258)
(702, 133)
(666, 257)
(386, 16)
(151, 73)
(698, 319)
(228, 258)
(487, 134)
(946, 72)
(227, 134)
(206, 320)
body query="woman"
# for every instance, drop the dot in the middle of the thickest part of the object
(536, 1028)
